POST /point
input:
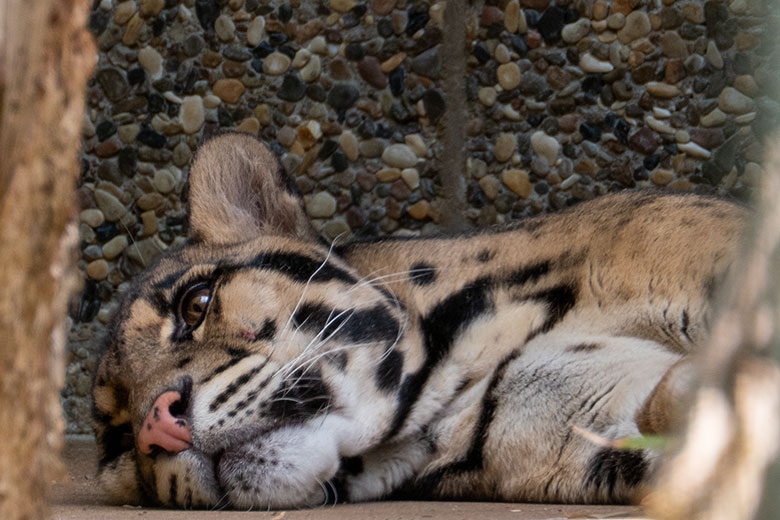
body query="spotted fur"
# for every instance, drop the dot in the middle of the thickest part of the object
(445, 367)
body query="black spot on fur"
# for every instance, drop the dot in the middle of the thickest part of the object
(452, 315)
(439, 328)
(685, 321)
(302, 395)
(584, 347)
(159, 303)
(388, 373)
(353, 326)
(183, 362)
(530, 225)
(339, 359)
(114, 441)
(610, 467)
(335, 491)
(236, 355)
(559, 300)
(301, 268)
(422, 274)
(474, 458)
(169, 281)
(268, 331)
(351, 465)
(233, 387)
(172, 490)
(179, 407)
(486, 255)
(529, 274)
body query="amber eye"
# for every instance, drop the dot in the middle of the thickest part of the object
(193, 304)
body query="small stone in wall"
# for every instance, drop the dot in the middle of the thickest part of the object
(399, 156)
(342, 96)
(111, 207)
(342, 6)
(145, 252)
(508, 75)
(575, 31)
(321, 205)
(545, 146)
(512, 14)
(276, 64)
(694, 150)
(348, 143)
(164, 181)
(644, 141)
(713, 55)
(637, 26)
(149, 201)
(133, 30)
(591, 64)
(92, 217)
(123, 12)
(98, 269)
(250, 125)
(114, 247)
(417, 144)
(419, 210)
(312, 70)
(192, 114)
(229, 90)
(256, 31)
(411, 177)
(225, 28)
(662, 90)
(505, 147)
(151, 7)
(148, 223)
(489, 187)
(336, 229)
(732, 101)
(518, 182)
(662, 177)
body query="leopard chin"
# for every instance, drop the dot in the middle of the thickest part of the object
(256, 367)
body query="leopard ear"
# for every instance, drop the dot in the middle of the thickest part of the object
(239, 190)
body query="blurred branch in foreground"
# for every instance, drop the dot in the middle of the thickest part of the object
(46, 55)
(734, 427)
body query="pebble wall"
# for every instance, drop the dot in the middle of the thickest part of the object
(566, 100)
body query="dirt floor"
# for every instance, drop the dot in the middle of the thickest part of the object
(78, 497)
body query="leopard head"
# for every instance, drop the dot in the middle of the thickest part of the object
(244, 368)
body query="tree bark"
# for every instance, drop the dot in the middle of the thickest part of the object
(734, 429)
(46, 56)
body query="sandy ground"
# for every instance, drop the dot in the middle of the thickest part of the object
(79, 497)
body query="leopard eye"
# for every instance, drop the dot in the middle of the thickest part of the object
(194, 303)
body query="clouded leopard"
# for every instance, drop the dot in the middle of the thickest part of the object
(257, 366)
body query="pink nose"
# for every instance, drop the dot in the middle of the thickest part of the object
(161, 428)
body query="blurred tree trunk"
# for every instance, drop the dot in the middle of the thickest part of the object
(734, 429)
(46, 56)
